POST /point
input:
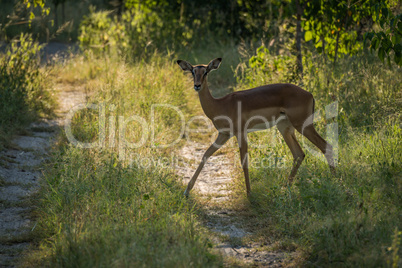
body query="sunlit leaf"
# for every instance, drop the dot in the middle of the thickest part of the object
(308, 35)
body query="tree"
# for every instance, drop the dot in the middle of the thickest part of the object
(389, 37)
(335, 27)
(56, 3)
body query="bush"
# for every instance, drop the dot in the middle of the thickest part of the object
(97, 31)
(130, 35)
(137, 32)
(266, 68)
(22, 93)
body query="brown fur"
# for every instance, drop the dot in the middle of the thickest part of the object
(235, 112)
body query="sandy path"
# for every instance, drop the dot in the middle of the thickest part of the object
(231, 238)
(20, 172)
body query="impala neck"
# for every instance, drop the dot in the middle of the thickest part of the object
(208, 102)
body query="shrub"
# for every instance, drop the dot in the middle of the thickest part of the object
(138, 32)
(22, 92)
(266, 68)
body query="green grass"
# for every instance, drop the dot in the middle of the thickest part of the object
(24, 93)
(99, 210)
(103, 214)
(346, 220)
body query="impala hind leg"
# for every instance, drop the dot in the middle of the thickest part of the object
(310, 133)
(288, 133)
(220, 141)
(243, 146)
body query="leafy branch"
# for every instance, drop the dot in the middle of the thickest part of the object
(389, 38)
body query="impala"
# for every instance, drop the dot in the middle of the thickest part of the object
(285, 105)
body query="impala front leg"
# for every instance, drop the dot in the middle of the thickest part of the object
(244, 159)
(220, 141)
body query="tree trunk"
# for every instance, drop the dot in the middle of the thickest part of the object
(120, 8)
(336, 47)
(323, 48)
(63, 13)
(344, 26)
(299, 62)
(56, 21)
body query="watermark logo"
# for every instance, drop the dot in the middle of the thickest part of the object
(113, 129)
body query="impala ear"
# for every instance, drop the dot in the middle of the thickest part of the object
(214, 64)
(185, 66)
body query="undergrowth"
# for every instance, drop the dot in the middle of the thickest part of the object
(24, 95)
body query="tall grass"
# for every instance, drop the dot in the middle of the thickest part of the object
(100, 213)
(24, 95)
(349, 219)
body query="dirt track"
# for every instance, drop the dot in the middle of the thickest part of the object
(231, 238)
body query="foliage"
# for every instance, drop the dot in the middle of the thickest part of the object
(332, 25)
(174, 25)
(389, 38)
(36, 3)
(22, 86)
(129, 35)
(21, 18)
(95, 31)
(266, 68)
(336, 27)
(245, 19)
(394, 248)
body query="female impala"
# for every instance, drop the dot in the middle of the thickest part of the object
(285, 105)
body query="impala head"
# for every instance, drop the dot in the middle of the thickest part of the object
(199, 71)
